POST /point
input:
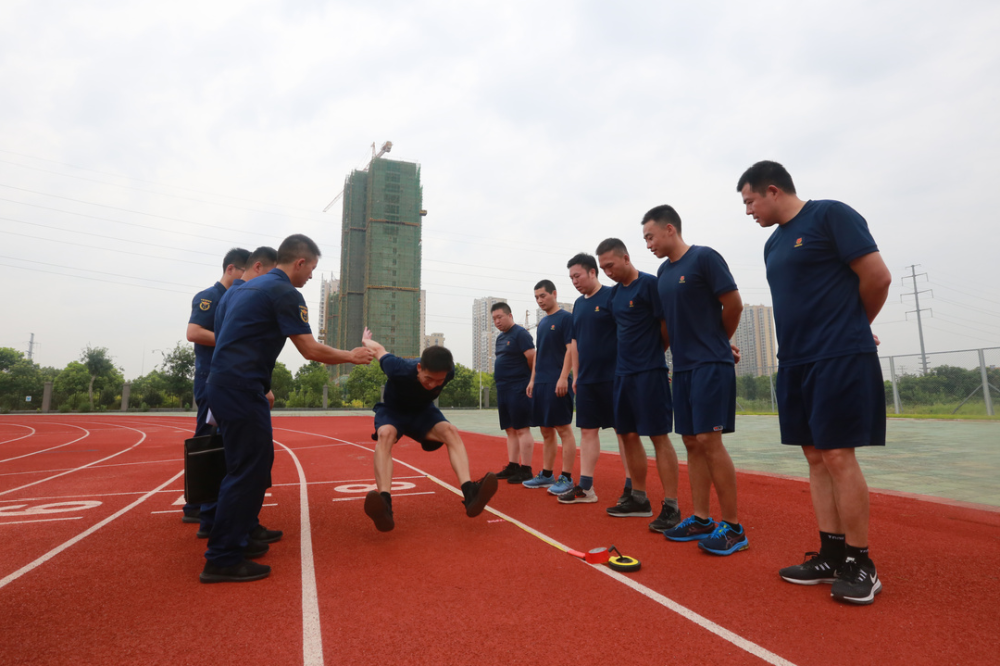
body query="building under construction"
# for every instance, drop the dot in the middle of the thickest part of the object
(379, 260)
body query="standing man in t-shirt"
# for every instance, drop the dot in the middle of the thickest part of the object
(642, 385)
(515, 357)
(408, 408)
(201, 331)
(260, 316)
(828, 283)
(701, 308)
(594, 348)
(550, 391)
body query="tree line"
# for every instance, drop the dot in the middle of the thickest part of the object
(95, 383)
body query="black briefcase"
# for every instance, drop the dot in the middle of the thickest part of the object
(204, 468)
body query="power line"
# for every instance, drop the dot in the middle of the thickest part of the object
(107, 249)
(88, 270)
(916, 296)
(82, 277)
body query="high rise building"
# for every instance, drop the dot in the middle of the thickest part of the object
(433, 340)
(484, 334)
(380, 259)
(755, 338)
(328, 294)
(539, 313)
(423, 320)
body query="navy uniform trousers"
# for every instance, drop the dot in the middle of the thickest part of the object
(244, 419)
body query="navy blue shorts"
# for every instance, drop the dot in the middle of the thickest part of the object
(705, 399)
(548, 409)
(414, 425)
(515, 407)
(836, 403)
(595, 405)
(642, 403)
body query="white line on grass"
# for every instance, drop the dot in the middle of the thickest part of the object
(312, 635)
(670, 604)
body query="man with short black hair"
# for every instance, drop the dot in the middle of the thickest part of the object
(260, 316)
(408, 408)
(515, 358)
(550, 392)
(642, 384)
(701, 310)
(201, 331)
(828, 283)
(594, 349)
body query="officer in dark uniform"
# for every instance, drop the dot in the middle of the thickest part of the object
(201, 331)
(260, 315)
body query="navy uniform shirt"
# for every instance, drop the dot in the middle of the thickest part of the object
(511, 367)
(259, 317)
(596, 338)
(818, 312)
(203, 309)
(555, 331)
(220, 314)
(637, 312)
(689, 294)
(403, 391)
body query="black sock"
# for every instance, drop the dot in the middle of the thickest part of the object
(467, 490)
(860, 555)
(547, 473)
(388, 498)
(735, 526)
(831, 546)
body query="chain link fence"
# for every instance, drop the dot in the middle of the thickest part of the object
(964, 382)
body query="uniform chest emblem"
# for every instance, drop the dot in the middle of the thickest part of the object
(205, 304)
(553, 327)
(597, 308)
(681, 281)
(304, 313)
(630, 303)
(798, 242)
(508, 343)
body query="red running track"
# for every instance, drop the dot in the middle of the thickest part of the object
(96, 567)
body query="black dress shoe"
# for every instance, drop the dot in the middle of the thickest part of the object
(241, 572)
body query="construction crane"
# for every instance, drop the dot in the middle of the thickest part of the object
(386, 147)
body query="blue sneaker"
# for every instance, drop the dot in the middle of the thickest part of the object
(562, 485)
(540, 481)
(725, 541)
(691, 529)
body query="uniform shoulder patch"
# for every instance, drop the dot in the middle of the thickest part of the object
(304, 313)
(205, 304)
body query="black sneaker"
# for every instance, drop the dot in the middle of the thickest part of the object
(204, 534)
(625, 494)
(242, 572)
(669, 517)
(483, 490)
(857, 583)
(379, 511)
(631, 507)
(520, 476)
(815, 570)
(264, 535)
(191, 517)
(508, 471)
(255, 549)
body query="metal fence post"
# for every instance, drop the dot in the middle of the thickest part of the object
(895, 386)
(986, 383)
(770, 382)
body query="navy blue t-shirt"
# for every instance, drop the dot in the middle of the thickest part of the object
(511, 367)
(260, 316)
(403, 391)
(555, 332)
(596, 338)
(203, 308)
(637, 312)
(220, 314)
(689, 294)
(818, 311)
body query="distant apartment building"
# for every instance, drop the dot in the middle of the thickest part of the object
(755, 338)
(484, 333)
(328, 293)
(423, 320)
(539, 313)
(433, 340)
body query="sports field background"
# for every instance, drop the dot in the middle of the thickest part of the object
(957, 460)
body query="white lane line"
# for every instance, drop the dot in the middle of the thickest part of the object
(40, 520)
(394, 495)
(52, 448)
(173, 461)
(113, 455)
(170, 511)
(18, 425)
(82, 535)
(670, 604)
(55, 497)
(312, 635)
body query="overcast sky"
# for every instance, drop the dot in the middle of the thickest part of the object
(139, 141)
